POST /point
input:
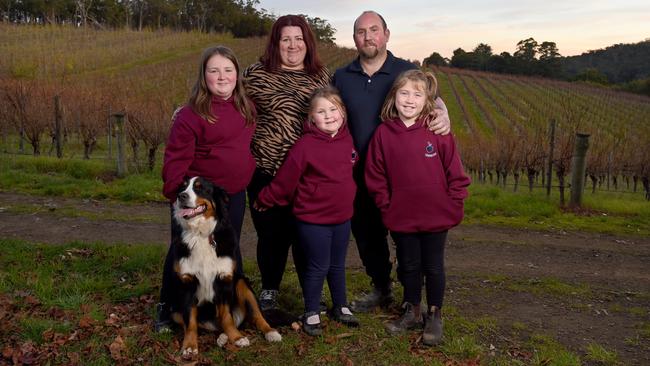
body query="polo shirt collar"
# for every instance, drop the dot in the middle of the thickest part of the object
(386, 68)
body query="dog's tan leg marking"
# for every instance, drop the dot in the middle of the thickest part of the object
(190, 341)
(228, 326)
(185, 278)
(247, 296)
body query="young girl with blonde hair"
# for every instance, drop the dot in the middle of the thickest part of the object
(416, 179)
(316, 180)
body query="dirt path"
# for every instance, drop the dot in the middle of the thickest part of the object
(492, 272)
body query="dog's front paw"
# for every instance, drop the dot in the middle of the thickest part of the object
(189, 353)
(242, 342)
(273, 336)
(222, 340)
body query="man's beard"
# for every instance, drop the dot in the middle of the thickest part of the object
(369, 53)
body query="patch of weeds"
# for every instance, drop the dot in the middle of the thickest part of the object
(633, 341)
(456, 325)
(644, 330)
(549, 352)
(519, 326)
(550, 286)
(70, 298)
(33, 328)
(598, 353)
(580, 307)
(616, 308)
(463, 347)
(638, 311)
(635, 310)
(496, 279)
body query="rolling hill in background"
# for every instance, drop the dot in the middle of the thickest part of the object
(620, 63)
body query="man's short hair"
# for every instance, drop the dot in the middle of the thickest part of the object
(383, 21)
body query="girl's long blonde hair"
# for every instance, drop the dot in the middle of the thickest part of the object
(389, 112)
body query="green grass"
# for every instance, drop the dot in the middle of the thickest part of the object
(544, 286)
(95, 280)
(519, 326)
(634, 310)
(606, 212)
(69, 276)
(644, 330)
(600, 355)
(549, 352)
(96, 179)
(33, 328)
(549, 286)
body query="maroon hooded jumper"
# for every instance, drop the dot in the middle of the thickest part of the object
(316, 177)
(219, 151)
(416, 178)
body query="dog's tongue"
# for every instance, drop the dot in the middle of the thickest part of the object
(191, 212)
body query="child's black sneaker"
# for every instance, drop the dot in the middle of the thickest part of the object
(311, 324)
(343, 315)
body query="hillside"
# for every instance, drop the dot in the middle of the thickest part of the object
(502, 124)
(620, 63)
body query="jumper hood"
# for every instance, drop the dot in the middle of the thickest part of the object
(310, 128)
(397, 126)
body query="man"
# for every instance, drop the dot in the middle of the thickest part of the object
(364, 84)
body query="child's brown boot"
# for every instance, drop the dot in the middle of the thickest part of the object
(411, 319)
(433, 327)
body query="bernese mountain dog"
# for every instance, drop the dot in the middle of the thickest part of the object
(206, 287)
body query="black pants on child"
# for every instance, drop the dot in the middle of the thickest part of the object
(325, 248)
(276, 232)
(236, 209)
(421, 255)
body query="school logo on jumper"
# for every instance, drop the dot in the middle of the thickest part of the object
(428, 151)
(355, 156)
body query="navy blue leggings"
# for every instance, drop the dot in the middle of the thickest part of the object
(325, 248)
(421, 255)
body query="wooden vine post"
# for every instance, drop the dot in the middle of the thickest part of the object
(578, 168)
(120, 136)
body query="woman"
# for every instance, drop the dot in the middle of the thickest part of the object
(280, 85)
(210, 137)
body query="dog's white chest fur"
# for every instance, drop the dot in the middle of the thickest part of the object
(205, 265)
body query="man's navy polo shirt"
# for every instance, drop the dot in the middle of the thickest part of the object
(364, 95)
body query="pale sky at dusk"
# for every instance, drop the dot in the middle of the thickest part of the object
(420, 27)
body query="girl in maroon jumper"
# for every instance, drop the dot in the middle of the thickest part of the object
(417, 181)
(316, 179)
(210, 137)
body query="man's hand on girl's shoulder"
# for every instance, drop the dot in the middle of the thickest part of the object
(438, 122)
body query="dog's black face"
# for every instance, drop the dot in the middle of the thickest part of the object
(199, 198)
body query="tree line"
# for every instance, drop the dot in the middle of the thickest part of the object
(530, 58)
(242, 18)
(625, 65)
